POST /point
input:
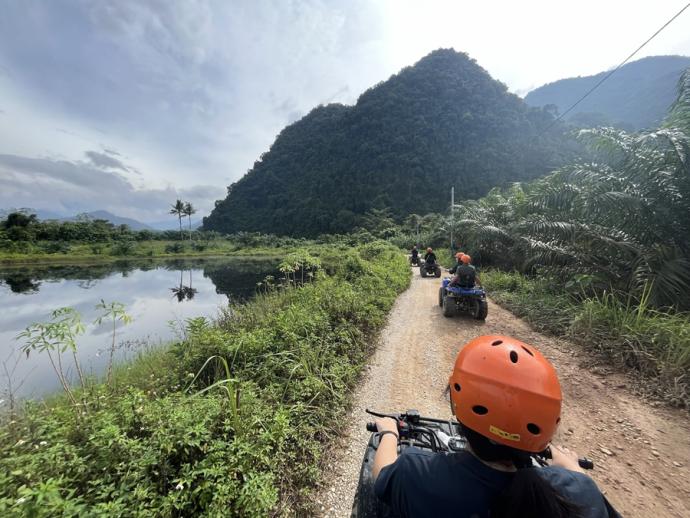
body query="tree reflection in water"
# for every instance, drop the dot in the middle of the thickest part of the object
(182, 292)
(237, 279)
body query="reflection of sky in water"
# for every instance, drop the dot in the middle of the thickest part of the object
(148, 299)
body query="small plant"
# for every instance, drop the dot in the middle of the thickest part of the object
(298, 266)
(113, 312)
(55, 337)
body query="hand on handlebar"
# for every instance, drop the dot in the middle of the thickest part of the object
(384, 424)
(563, 457)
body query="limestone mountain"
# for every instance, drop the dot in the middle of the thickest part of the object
(440, 123)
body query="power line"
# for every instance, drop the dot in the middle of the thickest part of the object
(616, 69)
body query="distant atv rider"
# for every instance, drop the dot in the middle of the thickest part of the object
(415, 254)
(465, 273)
(430, 256)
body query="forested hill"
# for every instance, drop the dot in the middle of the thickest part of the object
(637, 96)
(442, 122)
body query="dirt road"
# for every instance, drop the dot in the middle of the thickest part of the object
(641, 451)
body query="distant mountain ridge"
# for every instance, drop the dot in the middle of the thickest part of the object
(637, 96)
(440, 123)
(97, 214)
(134, 224)
(115, 220)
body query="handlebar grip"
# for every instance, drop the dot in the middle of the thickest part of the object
(371, 427)
(585, 463)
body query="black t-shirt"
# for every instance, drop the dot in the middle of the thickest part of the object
(421, 483)
(430, 257)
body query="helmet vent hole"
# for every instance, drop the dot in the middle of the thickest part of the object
(480, 410)
(457, 387)
(533, 429)
(513, 357)
(558, 420)
(497, 342)
(528, 351)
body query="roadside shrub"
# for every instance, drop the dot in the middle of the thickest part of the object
(123, 248)
(174, 248)
(56, 247)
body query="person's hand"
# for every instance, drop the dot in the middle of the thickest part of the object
(386, 424)
(563, 457)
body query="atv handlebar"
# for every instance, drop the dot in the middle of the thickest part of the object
(411, 421)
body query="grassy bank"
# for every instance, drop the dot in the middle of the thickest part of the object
(229, 421)
(633, 337)
(82, 252)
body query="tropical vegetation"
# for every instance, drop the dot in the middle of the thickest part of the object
(230, 420)
(611, 235)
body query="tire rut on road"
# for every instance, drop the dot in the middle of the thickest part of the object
(641, 451)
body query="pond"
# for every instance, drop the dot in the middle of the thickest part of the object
(159, 295)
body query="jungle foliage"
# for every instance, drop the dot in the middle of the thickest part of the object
(618, 223)
(229, 421)
(442, 122)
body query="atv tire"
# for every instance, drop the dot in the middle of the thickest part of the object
(437, 271)
(481, 309)
(422, 271)
(448, 306)
(440, 296)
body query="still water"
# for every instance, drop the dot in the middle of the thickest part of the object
(159, 295)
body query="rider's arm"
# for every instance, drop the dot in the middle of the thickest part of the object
(387, 451)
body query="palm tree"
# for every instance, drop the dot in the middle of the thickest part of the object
(188, 211)
(178, 209)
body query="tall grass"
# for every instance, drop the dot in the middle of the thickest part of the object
(628, 333)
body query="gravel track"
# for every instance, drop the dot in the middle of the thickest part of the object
(641, 451)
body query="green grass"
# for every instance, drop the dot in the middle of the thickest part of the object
(631, 336)
(229, 421)
(138, 249)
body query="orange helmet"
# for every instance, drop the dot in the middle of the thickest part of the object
(459, 255)
(466, 259)
(428, 250)
(506, 391)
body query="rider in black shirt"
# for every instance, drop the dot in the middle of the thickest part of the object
(507, 398)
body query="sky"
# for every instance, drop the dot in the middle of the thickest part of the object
(126, 105)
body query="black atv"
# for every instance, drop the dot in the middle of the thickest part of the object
(436, 435)
(414, 260)
(455, 299)
(427, 269)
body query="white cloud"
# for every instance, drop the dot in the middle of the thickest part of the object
(71, 187)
